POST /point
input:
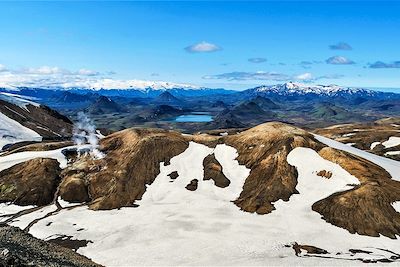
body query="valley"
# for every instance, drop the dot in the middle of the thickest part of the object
(214, 180)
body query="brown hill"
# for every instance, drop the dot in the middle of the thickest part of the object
(133, 158)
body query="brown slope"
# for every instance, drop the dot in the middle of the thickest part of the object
(363, 135)
(132, 161)
(264, 150)
(133, 157)
(367, 208)
(33, 182)
(43, 120)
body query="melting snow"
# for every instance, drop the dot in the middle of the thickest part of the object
(174, 226)
(15, 158)
(393, 141)
(392, 166)
(374, 144)
(392, 153)
(396, 206)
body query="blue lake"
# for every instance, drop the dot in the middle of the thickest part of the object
(194, 117)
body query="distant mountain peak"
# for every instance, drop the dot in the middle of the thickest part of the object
(292, 88)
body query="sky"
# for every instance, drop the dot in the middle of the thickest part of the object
(232, 45)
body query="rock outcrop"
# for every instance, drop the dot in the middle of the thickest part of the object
(132, 161)
(18, 248)
(33, 182)
(264, 150)
(213, 171)
(367, 208)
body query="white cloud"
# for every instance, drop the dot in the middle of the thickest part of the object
(45, 70)
(3, 68)
(304, 77)
(202, 47)
(257, 60)
(339, 60)
(87, 72)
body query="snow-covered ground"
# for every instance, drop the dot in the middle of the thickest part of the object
(374, 144)
(392, 153)
(393, 141)
(174, 226)
(19, 100)
(12, 132)
(15, 158)
(396, 206)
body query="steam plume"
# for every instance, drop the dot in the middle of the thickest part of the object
(85, 132)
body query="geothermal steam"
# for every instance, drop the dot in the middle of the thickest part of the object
(85, 132)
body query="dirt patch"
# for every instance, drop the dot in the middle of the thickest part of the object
(325, 174)
(213, 171)
(192, 186)
(173, 175)
(67, 242)
(309, 249)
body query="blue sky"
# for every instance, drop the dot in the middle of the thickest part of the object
(234, 45)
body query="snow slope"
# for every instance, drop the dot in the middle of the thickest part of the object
(19, 100)
(392, 166)
(12, 132)
(174, 226)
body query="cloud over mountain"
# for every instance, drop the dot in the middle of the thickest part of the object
(56, 77)
(203, 47)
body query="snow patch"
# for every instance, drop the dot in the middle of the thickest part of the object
(12, 132)
(15, 158)
(392, 153)
(396, 206)
(19, 100)
(374, 144)
(392, 142)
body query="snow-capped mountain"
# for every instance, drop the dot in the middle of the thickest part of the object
(23, 119)
(299, 89)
